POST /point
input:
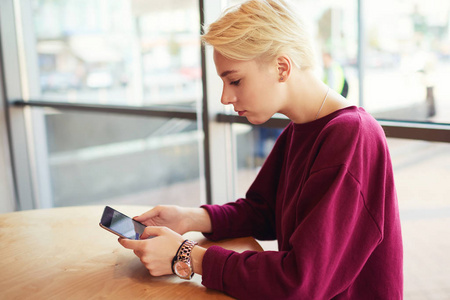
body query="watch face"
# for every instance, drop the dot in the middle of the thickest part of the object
(182, 269)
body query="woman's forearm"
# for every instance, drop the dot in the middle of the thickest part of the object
(197, 259)
(198, 220)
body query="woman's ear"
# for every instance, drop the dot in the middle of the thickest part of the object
(284, 65)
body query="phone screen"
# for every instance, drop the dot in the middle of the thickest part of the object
(120, 224)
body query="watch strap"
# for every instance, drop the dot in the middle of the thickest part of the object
(184, 255)
(175, 258)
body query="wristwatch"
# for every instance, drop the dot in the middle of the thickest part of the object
(181, 263)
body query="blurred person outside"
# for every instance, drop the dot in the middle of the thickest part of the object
(333, 75)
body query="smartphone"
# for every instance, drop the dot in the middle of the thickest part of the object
(120, 224)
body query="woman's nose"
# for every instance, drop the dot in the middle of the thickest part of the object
(227, 97)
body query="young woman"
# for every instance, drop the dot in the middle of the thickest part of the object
(325, 193)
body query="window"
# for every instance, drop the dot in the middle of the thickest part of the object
(142, 57)
(98, 158)
(121, 86)
(139, 53)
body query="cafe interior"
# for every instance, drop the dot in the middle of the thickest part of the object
(117, 103)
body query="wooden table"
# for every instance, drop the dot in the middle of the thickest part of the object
(62, 253)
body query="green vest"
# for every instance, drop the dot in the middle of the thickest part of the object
(334, 77)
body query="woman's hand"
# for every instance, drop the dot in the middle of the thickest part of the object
(179, 219)
(156, 254)
(165, 224)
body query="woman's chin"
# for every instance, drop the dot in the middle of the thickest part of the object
(256, 120)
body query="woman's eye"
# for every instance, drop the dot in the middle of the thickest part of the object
(236, 82)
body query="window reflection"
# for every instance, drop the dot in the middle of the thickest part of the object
(119, 52)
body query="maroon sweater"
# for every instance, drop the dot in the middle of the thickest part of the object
(326, 193)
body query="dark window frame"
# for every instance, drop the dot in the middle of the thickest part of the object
(432, 132)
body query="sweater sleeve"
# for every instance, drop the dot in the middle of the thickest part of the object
(253, 215)
(329, 247)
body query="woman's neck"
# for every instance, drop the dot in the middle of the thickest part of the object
(308, 98)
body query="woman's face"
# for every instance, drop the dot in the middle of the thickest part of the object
(252, 87)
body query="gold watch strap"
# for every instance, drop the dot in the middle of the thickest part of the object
(184, 253)
(184, 256)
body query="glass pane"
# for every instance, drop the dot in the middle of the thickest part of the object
(114, 159)
(407, 60)
(119, 52)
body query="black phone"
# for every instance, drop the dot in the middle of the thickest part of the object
(120, 224)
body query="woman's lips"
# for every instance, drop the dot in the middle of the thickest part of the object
(242, 112)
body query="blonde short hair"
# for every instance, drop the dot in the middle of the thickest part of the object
(261, 29)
